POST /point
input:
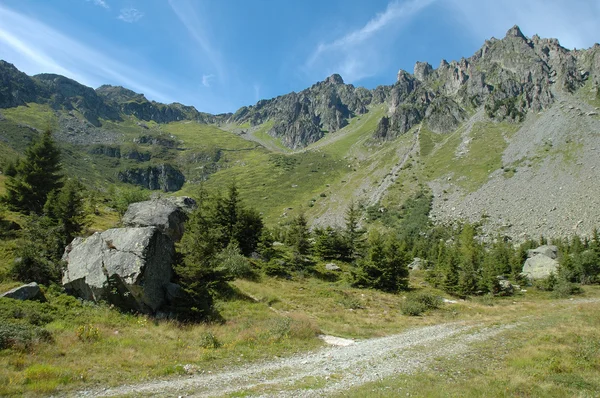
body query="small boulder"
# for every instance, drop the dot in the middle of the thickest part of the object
(30, 291)
(546, 250)
(332, 267)
(505, 287)
(128, 267)
(416, 264)
(539, 267)
(167, 214)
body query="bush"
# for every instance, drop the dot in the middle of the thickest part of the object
(412, 307)
(209, 340)
(88, 333)
(546, 284)
(233, 262)
(417, 303)
(21, 336)
(563, 288)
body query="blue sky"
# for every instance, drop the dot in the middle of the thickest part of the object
(219, 55)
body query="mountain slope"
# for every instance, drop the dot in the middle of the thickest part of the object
(508, 136)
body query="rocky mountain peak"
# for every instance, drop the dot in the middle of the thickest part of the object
(422, 70)
(515, 31)
(334, 79)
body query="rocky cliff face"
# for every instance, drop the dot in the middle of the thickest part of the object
(303, 118)
(161, 177)
(509, 77)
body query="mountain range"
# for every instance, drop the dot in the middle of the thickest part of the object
(509, 137)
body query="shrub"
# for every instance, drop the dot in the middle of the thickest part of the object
(233, 262)
(19, 335)
(563, 288)
(88, 333)
(417, 303)
(546, 284)
(209, 340)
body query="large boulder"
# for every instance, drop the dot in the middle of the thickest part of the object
(546, 250)
(30, 291)
(128, 267)
(167, 214)
(539, 267)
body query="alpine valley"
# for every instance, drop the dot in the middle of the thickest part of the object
(509, 135)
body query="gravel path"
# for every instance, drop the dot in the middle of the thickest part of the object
(330, 370)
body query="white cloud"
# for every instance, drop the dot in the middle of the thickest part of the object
(256, 87)
(130, 15)
(206, 79)
(358, 54)
(35, 47)
(100, 3)
(573, 22)
(187, 15)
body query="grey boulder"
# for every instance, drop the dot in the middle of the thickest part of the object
(546, 250)
(167, 214)
(128, 267)
(539, 267)
(332, 267)
(30, 291)
(416, 264)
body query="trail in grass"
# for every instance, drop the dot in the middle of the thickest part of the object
(330, 370)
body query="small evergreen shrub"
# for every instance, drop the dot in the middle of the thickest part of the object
(209, 340)
(563, 289)
(418, 303)
(21, 336)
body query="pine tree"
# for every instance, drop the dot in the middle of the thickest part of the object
(66, 209)
(35, 176)
(353, 232)
(299, 234)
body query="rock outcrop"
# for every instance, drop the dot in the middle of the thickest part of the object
(302, 118)
(541, 263)
(167, 214)
(164, 177)
(31, 291)
(128, 267)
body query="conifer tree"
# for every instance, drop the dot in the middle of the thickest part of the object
(35, 176)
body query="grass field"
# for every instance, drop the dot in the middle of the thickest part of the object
(96, 346)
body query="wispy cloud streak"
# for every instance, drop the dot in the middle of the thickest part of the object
(130, 15)
(355, 55)
(187, 15)
(100, 3)
(36, 47)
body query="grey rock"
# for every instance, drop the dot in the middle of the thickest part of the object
(173, 292)
(506, 288)
(128, 267)
(416, 264)
(422, 70)
(332, 267)
(163, 177)
(30, 291)
(302, 118)
(539, 267)
(546, 250)
(167, 214)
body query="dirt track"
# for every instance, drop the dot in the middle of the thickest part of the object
(332, 369)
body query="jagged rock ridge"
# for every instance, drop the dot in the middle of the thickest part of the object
(106, 102)
(303, 118)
